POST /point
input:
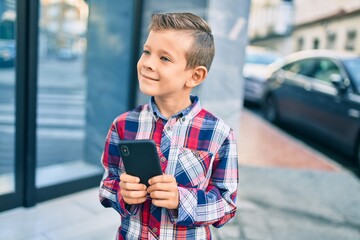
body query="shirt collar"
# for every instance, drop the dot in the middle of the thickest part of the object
(189, 112)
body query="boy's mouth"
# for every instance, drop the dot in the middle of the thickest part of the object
(148, 78)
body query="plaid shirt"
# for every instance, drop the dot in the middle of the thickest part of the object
(195, 147)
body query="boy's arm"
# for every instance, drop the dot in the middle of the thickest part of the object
(109, 192)
(216, 204)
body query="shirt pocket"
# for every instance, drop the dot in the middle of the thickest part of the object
(192, 167)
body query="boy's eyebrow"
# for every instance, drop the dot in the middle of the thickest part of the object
(162, 51)
(166, 53)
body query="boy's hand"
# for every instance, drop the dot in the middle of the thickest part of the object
(132, 191)
(164, 192)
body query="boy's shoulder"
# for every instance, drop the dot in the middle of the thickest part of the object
(210, 120)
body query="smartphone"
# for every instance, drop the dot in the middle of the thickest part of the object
(140, 159)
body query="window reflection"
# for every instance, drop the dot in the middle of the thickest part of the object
(7, 95)
(62, 93)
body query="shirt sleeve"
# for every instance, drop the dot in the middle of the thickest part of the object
(109, 192)
(216, 204)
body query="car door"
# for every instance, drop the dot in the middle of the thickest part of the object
(291, 96)
(329, 111)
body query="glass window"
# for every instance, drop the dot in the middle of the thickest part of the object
(325, 68)
(292, 67)
(316, 43)
(350, 40)
(303, 67)
(300, 44)
(331, 40)
(352, 65)
(62, 91)
(7, 96)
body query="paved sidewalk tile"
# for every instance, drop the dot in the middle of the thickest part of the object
(298, 204)
(261, 144)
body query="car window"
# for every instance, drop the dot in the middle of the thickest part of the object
(303, 67)
(325, 68)
(352, 65)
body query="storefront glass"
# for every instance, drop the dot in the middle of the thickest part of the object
(7, 96)
(62, 91)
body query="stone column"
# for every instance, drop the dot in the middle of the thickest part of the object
(222, 93)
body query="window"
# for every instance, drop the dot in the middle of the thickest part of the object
(300, 44)
(62, 128)
(7, 97)
(316, 43)
(302, 67)
(331, 41)
(325, 68)
(350, 40)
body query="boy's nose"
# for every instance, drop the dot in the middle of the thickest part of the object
(148, 64)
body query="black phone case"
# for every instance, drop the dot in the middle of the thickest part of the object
(140, 159)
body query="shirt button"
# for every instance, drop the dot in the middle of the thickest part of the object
(182, 119)
(162, 159)
(168, 128)
(155, 229)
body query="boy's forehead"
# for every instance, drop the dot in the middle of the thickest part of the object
(181, 37)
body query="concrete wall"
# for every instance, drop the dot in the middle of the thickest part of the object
(222, 92)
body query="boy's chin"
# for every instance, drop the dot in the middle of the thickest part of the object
(147, 92)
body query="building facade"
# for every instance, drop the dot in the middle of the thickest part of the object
(311, 25)
(270, 24)
(338, 31)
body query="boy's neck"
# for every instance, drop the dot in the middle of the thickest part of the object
(169, 107)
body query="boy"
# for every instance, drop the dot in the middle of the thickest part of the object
(197, 150)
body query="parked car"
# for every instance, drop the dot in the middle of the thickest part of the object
(255, 72)
(66, 54)
(318, 91)
(7, 53)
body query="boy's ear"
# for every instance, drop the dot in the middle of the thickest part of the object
(199, 74)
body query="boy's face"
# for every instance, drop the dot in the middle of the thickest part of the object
(161, 67)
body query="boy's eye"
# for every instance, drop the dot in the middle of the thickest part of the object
(146, 52)
(165, 59)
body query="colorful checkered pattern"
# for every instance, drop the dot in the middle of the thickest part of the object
(195, 147)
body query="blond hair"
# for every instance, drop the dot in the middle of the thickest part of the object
(202, 50)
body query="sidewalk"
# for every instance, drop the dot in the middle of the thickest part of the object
(287, 191)
(283, 204)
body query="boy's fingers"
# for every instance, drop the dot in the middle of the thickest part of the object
(132, 186)
(162, 178)
(163, 187)
(165, 203)
(129, 178)
(135, 200)
(161, 195)
(133, 194)
(139, 200)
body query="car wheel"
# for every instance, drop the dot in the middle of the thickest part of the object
(270, 111)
